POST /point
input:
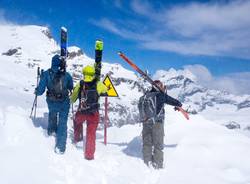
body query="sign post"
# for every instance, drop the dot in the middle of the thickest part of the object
(111, 93)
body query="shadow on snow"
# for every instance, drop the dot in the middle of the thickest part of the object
(41, 121)
(134, 147)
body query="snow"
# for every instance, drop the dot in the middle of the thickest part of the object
(25, 37)
(73, 49)
(196, 151)
(64, 29)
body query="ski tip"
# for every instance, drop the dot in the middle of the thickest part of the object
(119, 52)
(184, 113)
(64, 29)
(99, 44)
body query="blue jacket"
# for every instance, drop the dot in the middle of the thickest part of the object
(46, 80)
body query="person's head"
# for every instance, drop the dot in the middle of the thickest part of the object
(57, 64)
(88, 73)
(160, 84)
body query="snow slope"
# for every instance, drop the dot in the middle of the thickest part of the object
(196, 151)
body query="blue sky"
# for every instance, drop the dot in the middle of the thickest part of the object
(211, 38)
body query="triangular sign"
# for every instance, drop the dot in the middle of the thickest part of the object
(111, 89)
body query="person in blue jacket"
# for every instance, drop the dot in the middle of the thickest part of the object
(59, 84)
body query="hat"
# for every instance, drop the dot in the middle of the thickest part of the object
(158, 82)
(56, 61)
(89, 73)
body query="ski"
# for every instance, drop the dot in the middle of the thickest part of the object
(98, 67)
(98, 51)
(185, 113)
(98, 57)
(64, 38)
(146, 77)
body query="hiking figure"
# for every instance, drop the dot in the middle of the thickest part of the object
(88, 91)
(152, 114)
(58, 83)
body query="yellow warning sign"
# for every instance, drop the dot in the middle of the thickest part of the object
(111, 89)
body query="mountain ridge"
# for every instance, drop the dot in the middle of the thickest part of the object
(34, 46)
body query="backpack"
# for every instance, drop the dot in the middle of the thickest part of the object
(88, 97)
(56, 89)
(147, 106)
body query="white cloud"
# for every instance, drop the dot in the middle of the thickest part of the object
(3, 20)
(221, 29)
(239, 82)
(196, 18)
(236, 83)
(122, 30)
(2, 17)
(108, 25)
(142, 7)
(202, 73)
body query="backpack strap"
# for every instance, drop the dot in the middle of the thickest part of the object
(82, 83)
(80, 89)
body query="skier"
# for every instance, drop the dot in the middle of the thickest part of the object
(152, 114)
(58, 83)
(88, 92)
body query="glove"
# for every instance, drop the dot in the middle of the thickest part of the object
(176, 108)
(35, 92)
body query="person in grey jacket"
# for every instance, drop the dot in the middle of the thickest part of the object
(153, 124)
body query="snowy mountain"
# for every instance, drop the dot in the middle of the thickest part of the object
(196, 151)
(34, 46)
(181, 84)
(219, 106)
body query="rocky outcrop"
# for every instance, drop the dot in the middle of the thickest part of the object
(47, 33)
(11, 52)
(74, 53)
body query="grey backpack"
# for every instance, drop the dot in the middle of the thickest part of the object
(147, 106)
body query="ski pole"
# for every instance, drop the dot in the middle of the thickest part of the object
(72, 109)
(35, 100)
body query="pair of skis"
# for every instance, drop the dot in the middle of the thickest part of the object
(146, 77)
(64, 40)
(64, 52)
(98, 67)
